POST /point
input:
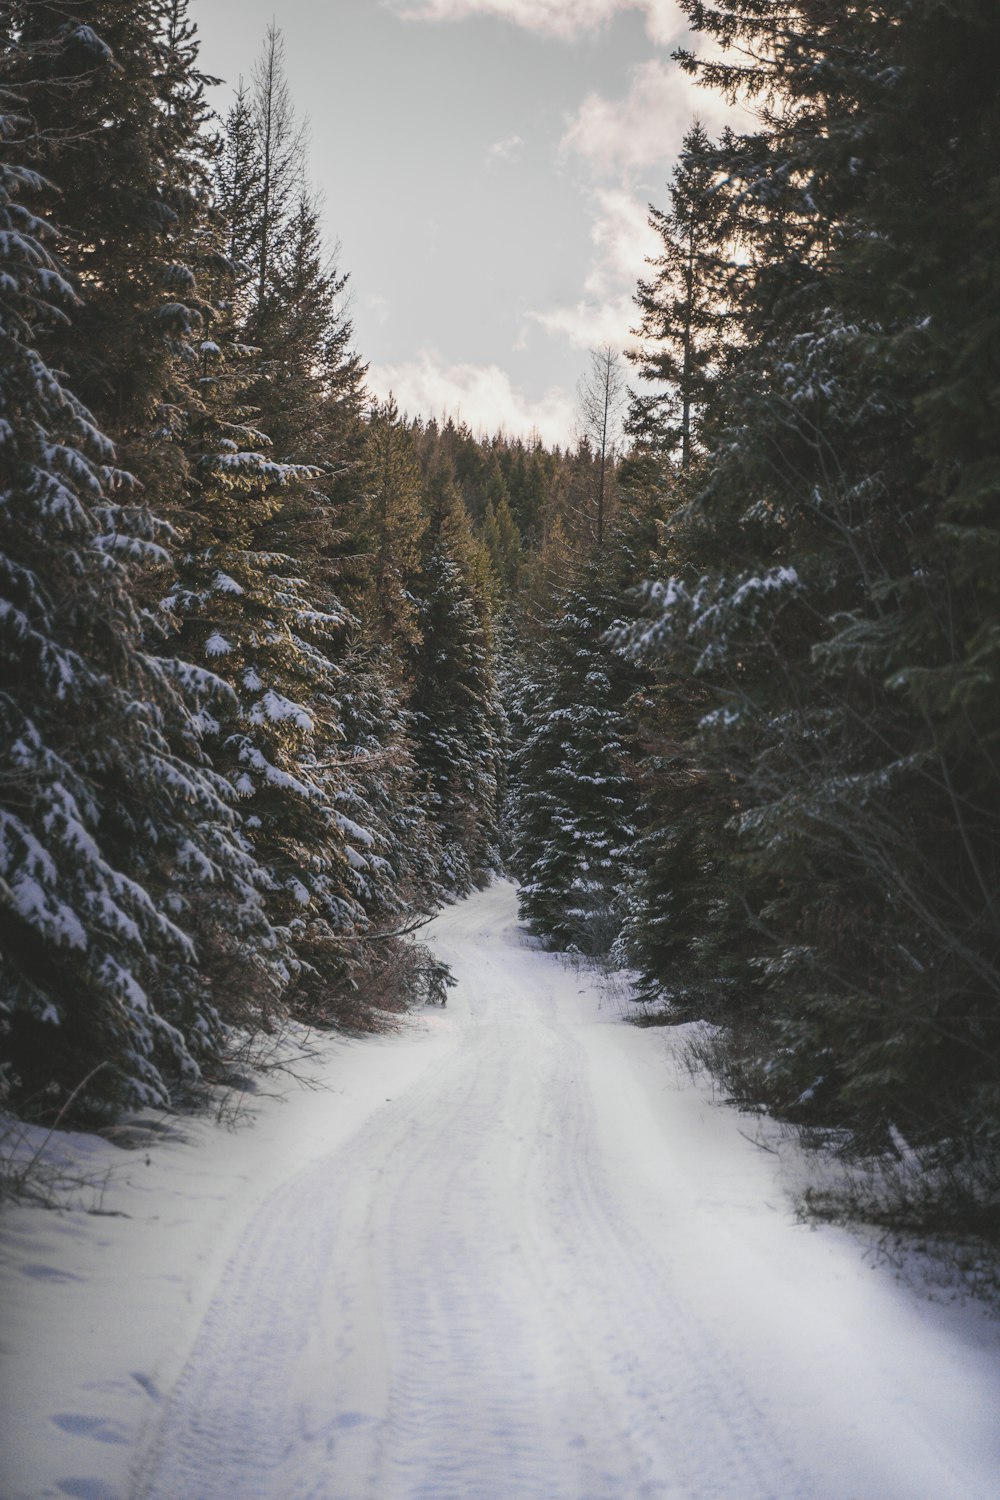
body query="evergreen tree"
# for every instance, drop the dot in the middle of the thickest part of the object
(277, 167)
(106, 832)
(448, 519)
(285, 517)
(243, 609)
(575, 806)
(530, 475)
(825, 601)
(308, 380)
(388, 526)
(456, 720)
(381, 793)
(685, 931)
(238, 190)
(502, 541)
(129, 205)
(683, 307)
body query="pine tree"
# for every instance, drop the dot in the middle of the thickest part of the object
(529, 474)
(456, 720)
(238, 190)
(819, 601)
(682, 933)
(286, 296)
(309, 381)
(683, 307)
(280, 143)
(285, 513)
(575, 806)
(106, 832)
(129, 203)
(502, 541)
(448, 519)
(380, 792)
(388, 526)
(243, 609)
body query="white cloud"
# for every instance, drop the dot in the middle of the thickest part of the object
(562, 18)
(646, 127)
(622, 240)
(504, 150)
(483, 396)
(620, 140)
(588, 324)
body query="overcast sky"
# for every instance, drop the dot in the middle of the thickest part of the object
(486, 166)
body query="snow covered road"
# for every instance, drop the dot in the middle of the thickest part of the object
(543, 1269)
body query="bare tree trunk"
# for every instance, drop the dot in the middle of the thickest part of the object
(602, 396)
(281, 145)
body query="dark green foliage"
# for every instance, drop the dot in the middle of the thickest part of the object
(128, 205)
(251, 731)
(575, 805)
(684, 304)
(502, 541)
(109, 834)
(388, 526)
(827, 641)
(456, 720)
(396, 873)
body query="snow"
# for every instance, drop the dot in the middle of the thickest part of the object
(224, 584)
(31, 886)
(772, 581)
(278, 709)
(89, 39)
(509, 1252)
(354, 830)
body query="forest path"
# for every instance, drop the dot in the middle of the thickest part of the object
(545, 1270)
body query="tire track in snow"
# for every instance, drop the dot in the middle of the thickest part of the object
(470, 1299)
(485, 1379)
(684, 1406)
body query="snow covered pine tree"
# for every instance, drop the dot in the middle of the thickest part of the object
(101, 984)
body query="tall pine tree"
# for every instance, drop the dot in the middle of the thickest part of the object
(107, 833)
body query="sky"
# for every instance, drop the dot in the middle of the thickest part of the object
(486, 168)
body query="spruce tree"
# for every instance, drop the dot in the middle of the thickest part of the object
(683, 305)
(242, 609)
(502, 541)
(238, 189)
(819, 600)
(107, 834)
(388, 526)
(575, 807)
(456, 718)
(397, 874)
(303, 385)
(130, 199)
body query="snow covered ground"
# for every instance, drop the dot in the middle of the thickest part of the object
(507, 1254)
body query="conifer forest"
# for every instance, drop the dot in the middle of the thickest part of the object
(285, 668)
